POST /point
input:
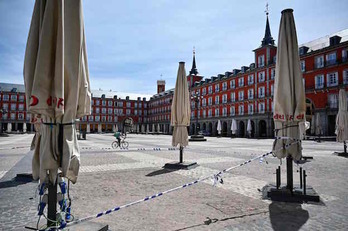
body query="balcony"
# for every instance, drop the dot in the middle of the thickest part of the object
(331, 62)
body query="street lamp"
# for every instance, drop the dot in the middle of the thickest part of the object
(197, 137)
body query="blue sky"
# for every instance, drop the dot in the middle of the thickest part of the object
(131, 43)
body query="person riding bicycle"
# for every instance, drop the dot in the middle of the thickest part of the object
(118, 137)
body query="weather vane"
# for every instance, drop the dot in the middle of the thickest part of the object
(267, 9)
(194, 50)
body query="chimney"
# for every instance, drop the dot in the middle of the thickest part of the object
(161, 86)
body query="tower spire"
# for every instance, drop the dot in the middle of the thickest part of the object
(194, 68)
(268, 39)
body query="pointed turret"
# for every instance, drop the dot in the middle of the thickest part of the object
(268, 39)
(194, 68)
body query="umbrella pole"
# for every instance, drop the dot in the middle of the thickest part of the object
(345, 147)
(290, 180)
(181, 154)
(52, 204)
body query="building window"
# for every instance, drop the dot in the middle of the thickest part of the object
(103, 118)
(128, 112)
(104, 103)
(204, 114)
(272, 90)
(331, 58)
(128, 104)
(5, 106)
(97, 118)
(261, 107)
(250, 109)
(210, 101)
(110, 110)
(21, 98)
(210, 89)
(135, 104)
(217, 99)
(13, 116)
(120, 104)
(232, 84)
(13, 97)
(192, 114)
(20, 107)
(241, 82)
(261, 92)
(250, 93)
(224, 98)
(344, 55)
(224, 86)
(303, 66)
(90, 118)
(204, 102)
(319, 81)
(333, 100)
(261, 61)
(250, 79)
(261, 76)
(110, 103)
(217, 112)
(345, 76)
(217, 88)
(109, 118)
(332, 79)
(272, 73)
(232, 111)
(5, 97)
(209, 113)
(97, 102)
(13, 107)
(224, 111)
(103, 110)
(204, 91)
(241, 95)
(193, 104)
(319, 61)
(241, 110)
(233, 97)
(20, 116)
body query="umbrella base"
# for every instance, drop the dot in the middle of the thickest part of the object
(285, 195)
(178, 165)
(85, 226)
(343, 154)
(198, 138)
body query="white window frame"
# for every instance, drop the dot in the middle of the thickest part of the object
(319, 81)
(233, 84)
(241, 82)
(250, 109)
(241, 110)
(250, 79)
(217, 87)
(261, 77)
(217, 112)
(319, 61)
(251, 93)
(240, 95)
(303, 65)
(210, 100)
(331, 58)
(232, 111)
(261, 92)
(217, 100)
(224, 98)
(332, 79)
(345, 76)
(233, 97)
(261, 61)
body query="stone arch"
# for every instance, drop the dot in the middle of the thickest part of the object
(241, 129)
(224, 128)
(262, 128)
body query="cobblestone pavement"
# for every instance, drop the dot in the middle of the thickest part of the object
(109, 178)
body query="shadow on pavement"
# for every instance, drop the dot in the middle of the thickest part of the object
(287, 216)
(162, 171)
(12, 183)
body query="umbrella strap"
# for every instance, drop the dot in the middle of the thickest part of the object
(285, 127)
(60, 137)
(286, 138)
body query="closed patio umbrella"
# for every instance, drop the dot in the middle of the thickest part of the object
(342, 119)
(57, 84)
(180, 114)
(158, 128)
(249, 127)
(100, 128)
(147, 128)
(234, 127)
(24, 127)
(218, 128)
(88, 129)
(289, 96)
(9, 127)
(318, 127)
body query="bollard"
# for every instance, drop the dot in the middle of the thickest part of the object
(304, 182)
(278, 177)
(300, 177)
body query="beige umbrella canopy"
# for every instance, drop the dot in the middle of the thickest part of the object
(289, 94)
(9, 127)
(57, 84)
(342, 117)
(318, 128)
(180, 115)
(234, 126)
(218, 128)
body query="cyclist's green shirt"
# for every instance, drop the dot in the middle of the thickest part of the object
(117, 134)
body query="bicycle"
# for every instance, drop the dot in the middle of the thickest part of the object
(115, 144)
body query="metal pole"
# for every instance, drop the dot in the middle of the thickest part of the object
(304, 182)
(290, 180)
(52, 204)
(345, 147)
(181, 154)
(196, 132)
(300, 177)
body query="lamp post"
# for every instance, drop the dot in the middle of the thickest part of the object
(197, 137)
